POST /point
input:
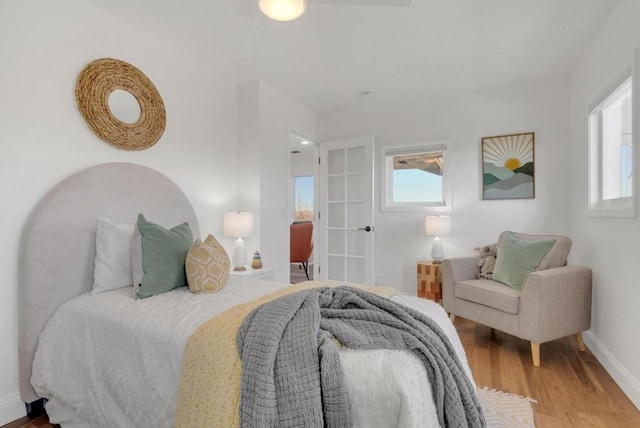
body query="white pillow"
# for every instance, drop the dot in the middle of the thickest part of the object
(112, 265)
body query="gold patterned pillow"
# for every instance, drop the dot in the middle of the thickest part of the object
(207, 265)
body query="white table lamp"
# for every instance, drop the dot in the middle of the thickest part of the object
(437, 226)
(238, 225)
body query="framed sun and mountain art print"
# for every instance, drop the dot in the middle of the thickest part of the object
(507, 167)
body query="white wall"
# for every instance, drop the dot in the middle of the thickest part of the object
(608, 245)
(44, 139)
(248, 160)
(464, 118)
(266, 117)
(302, 164)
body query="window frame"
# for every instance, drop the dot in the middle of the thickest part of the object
(386, 199)
(597, 206)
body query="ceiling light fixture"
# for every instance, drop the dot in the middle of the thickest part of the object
(305, 142)
(282, 10)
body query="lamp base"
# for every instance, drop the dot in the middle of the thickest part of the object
(239, 259)
(436, 251)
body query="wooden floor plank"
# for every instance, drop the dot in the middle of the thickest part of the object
(571, 387)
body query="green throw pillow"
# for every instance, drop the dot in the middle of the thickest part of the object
(163, 256)
(517, 258)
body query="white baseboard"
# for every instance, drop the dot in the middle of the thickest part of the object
(625, 380)
(11, 408)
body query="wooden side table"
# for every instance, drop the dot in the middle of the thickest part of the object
(430, 281)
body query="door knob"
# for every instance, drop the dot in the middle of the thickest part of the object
(366, 229)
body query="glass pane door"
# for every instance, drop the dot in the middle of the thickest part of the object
(348, 206)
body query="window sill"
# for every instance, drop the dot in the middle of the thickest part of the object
(436, 209)
(626, 210)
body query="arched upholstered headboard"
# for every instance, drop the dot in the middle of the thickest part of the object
(57, 245)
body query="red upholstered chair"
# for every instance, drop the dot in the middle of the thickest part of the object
(301, 244)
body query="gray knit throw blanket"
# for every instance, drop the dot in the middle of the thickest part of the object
(291, 370)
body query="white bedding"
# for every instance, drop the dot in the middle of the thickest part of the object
(109, 360)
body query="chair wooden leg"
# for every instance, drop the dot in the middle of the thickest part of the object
(305, 265)
(452, 317)
(581, 346)
(535, 354)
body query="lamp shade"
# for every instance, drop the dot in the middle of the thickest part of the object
(282, 10)
(439, 225)
(238, 225)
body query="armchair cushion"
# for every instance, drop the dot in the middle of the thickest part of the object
(517, 258)
(489, 293)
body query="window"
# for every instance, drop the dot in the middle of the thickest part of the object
(303, 192)
(610, 148)
(416, 178)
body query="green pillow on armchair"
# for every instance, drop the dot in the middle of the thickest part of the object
(517, 258)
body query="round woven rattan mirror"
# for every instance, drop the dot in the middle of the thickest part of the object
(97, 81)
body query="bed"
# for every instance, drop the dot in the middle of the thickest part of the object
(111, 360)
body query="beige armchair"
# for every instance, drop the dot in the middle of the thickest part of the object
(554, 302)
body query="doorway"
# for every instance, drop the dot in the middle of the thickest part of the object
(302, 182)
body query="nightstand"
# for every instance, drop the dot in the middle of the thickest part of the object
(430, 281)
(265, 273)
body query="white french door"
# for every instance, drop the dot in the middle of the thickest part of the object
(346, 211)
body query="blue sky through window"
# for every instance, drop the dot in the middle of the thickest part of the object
(303, 192)
(415, 185)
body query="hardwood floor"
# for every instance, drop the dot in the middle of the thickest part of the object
(296, 274)
(41, 422)
(571, 387)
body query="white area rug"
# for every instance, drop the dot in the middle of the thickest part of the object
(504, 410)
